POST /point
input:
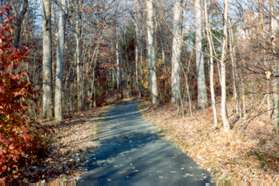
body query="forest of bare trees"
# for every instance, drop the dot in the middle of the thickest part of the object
(213, 56)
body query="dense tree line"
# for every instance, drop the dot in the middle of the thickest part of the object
(195, 54)
(80, 64)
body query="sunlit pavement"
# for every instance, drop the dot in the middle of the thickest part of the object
(132, 152)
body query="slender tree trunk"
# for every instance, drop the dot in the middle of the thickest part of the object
(137, 46)
(235, 78)
(117, 64)
(188, 91)
(59, 64)
(78, 55)
(202, 92)
(151, 52)
(243, 96)
(261, 34)
(47, 61)
(18, 23)
(224, 116)
(136, 71)
(275, 68)
(275, 102)
(176, 50)
(163, 55)
(211, 71)
(93, 85)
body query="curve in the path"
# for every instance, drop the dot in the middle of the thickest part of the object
(132, 153)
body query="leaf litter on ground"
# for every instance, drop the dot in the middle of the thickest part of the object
(249, 154)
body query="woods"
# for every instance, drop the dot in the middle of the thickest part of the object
(60, 59)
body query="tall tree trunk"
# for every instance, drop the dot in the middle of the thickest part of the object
(118, 74)
(18, 23)
(93, 84)
(176, 50)
(47, 60)
(188, 91)
(137, 46)
(59, 64)
(275, 68)
(235, 77)
(211, 71)
(261, 7)
(224, 116)
(78, 55)
(202, 92)
(151, 52)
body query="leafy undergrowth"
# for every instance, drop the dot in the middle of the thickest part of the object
(245, 154)
(69, 143)
(21, 138)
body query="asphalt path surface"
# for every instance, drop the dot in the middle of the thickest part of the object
(132, 152)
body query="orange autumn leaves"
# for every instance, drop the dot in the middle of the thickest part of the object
(15, 90)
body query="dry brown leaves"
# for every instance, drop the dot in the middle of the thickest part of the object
(242, 154)
(70, 142)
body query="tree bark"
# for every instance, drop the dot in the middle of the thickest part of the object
(79, 88)
(47, 61)
(274, 79)
(261, 7)
(211, 71)
(151, 52)
(59, 64)
(137, 45)
(118, 74)
(235, 73)
(18, 23)
(224, 116)
(202, 92)
(176, 51)
(93, 85)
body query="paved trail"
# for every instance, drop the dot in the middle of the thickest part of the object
(131, 152)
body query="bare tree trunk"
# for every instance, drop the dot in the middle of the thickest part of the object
(18, 23)
(186, 74)
(224, 116)
(261, 31)
(211, 73)
(202, 92)
(59, 64)
(78, 54)
(117, 64)
(176, 50)
(93, 85)
(47, 61)
(243, 96)
(274, 79)
(151, 52)
(235, 77)
(137, 30)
